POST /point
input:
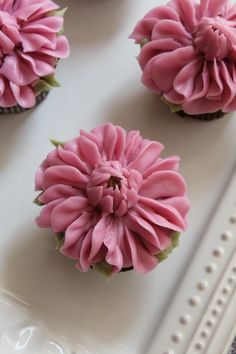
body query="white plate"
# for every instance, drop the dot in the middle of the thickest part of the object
(84, 313)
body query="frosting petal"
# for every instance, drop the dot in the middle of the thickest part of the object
(7, 98)
(143, 262)
(24, 95)
(39, 67)
(17, 71)
(66, 212)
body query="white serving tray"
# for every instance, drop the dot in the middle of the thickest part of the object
(64, 311)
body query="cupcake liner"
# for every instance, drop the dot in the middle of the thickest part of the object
(123, 270)
(19, 109)
(205, 116)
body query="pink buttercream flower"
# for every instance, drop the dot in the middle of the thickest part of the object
(29, 48)
(112, 199)
(189, 54)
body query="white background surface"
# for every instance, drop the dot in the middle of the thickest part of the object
(100, 82)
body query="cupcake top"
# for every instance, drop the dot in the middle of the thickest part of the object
(113, 202)
(188, 54)
(30, 45)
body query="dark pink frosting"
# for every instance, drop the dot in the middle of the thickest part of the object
(191, 54)
(29, 48)
(113, 196)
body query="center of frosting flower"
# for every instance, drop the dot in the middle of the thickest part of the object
(114, 182)
(113, 189)
(215, 37)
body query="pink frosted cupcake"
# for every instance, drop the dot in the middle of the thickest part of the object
(31, 42)
(188, 55)
(112, 202)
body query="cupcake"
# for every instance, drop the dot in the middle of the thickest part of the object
(31, 43)
(188, 56)
(111, 201)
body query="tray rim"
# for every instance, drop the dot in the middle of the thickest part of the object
(200, 310)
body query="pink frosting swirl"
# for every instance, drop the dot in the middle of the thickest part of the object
(190, 54)
(29, 48)
(113, 197)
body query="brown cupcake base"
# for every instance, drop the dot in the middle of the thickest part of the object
(205, 116)
(19, 109)
(126, 269)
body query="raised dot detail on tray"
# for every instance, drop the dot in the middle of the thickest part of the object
(218, 252)
(194, 301)
(231, 280)
(185, 319)
(176, 337)
(169, 352)
(204, 334)
(199, 346)
(226, 290)
(233, 219)
(210, 323)
(202, 285)
(210, 268)
(215, 312)
(220, 302)
(226, 235)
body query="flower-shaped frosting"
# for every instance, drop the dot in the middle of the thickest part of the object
(111, 198)
(30, 44)
(189, 54)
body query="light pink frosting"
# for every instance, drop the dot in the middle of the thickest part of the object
(191, 54)
(29, 48)
(114, 198)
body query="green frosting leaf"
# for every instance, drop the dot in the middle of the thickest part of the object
(56, 143)
(36, 200)
(46, 83)
(60, 33)
(143, 42)
(59, 240)
(51, 81)
(173, 107)
(59, 13)
(41, 86)
(104, 268)
(174, 243)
